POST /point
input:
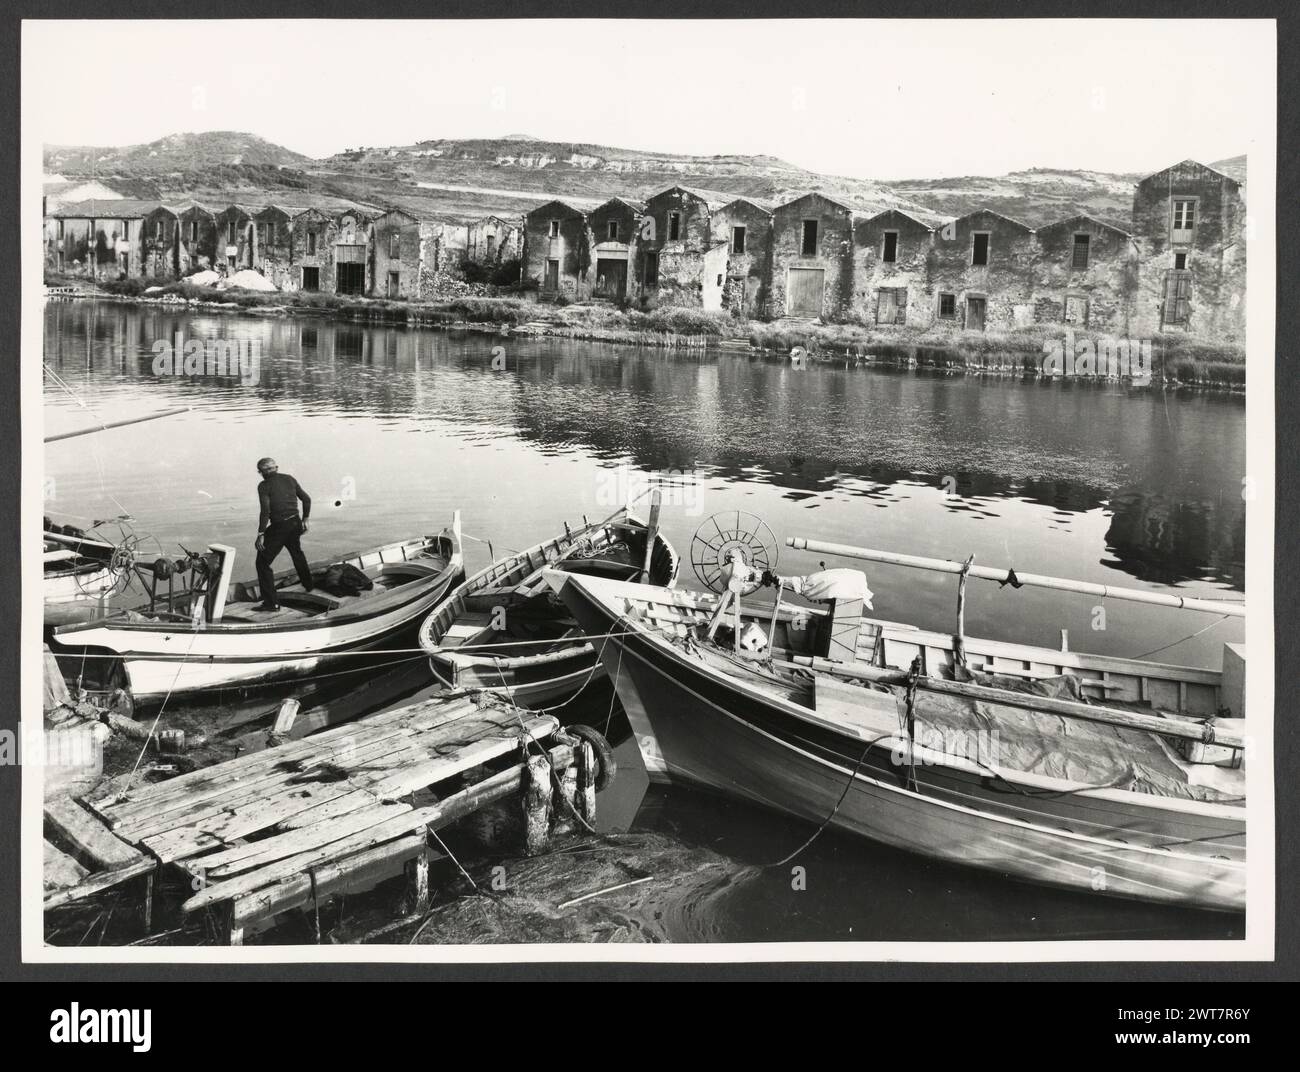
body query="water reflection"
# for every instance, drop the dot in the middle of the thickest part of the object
(1086, 480)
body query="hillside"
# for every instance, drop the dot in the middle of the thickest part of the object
(468, 178)
(174, 153)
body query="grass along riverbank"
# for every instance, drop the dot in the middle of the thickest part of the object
(1176, 359)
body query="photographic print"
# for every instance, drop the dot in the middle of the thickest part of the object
(629, 490)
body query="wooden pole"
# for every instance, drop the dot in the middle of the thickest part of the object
(585, 798)
(118, 424)
(1165, 727)
(651, 533)
(537, 804)
(1032, 580)
(959, 641)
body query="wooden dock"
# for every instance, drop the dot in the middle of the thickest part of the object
(288, 827)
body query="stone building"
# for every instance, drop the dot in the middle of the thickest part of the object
(100, 239)
(235, 238)
(1190, 223)
(556, 251)
(812, 258)
(160, 256)
(397, 246)
(198, 244)
(679, 262)
(892, 269)
(745, 227)
(613, 229)
(493, 239)
(1087, 275)
(352, 253)
(312, 251)
(982, 272)
(273, 245)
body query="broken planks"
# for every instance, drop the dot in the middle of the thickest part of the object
(281, 829)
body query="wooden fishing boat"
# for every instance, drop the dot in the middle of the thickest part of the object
(212, 637)
(78, 574)
(1092, 793)
(504, 631)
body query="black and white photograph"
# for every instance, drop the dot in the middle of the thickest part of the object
(618, 490)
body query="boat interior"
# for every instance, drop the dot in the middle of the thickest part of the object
(388, 569)
(537, 624)
(808, 657)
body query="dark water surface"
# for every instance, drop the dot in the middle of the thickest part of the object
(391, 429)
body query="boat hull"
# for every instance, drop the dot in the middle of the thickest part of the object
(693, 725)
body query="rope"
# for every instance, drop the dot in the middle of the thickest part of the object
(1189, 636)
(161, 707)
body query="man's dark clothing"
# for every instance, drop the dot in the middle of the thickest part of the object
(280, 528)
(278, 496)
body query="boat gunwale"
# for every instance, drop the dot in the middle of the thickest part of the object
(1235, 813)
(410, 592)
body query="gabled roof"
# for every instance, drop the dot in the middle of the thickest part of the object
(1196, 163)
(286, 212)
(1083, 216)
(557, 203)
(816, 193)
(761, 207)
(900, 212)
(635, 206)
(712, 200)
(999, 215)
(122, 209)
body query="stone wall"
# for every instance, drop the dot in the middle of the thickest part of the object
(748, 270)
(832, 257)
(907, 273)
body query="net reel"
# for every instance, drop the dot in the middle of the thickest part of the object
(726, 537)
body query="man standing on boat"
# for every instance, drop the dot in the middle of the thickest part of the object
(279, 527)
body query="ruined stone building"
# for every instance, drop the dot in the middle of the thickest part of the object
(556, 252)
(98, 238)
(1087, 275)
(198, 239)
(396, 237)
(613, 231)
(1190, 223)
(812, 258)
(680, 262)
(1179, 263)
(160, 238)
(892, 269)
(493, 239)
(745, 227)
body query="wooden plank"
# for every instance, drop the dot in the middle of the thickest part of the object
(104, 880)
(314, 782)
(446, 811)
(217, 828)
(88, 838)
(61, 871)
(397, 776)
(279, 797)
(357, 871)
(327, 745)
(248, 857)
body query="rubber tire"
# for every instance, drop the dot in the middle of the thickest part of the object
(606, 764)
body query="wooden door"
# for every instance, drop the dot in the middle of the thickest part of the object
(976, 308)
(804, 291)
(552, 283)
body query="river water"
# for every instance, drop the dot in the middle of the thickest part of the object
(391, 429)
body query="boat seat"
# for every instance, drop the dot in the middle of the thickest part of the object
(308, 600)
(408, 570)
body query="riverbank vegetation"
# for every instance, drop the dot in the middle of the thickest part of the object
(1176, 359)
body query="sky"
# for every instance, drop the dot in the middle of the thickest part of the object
(870, 99)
